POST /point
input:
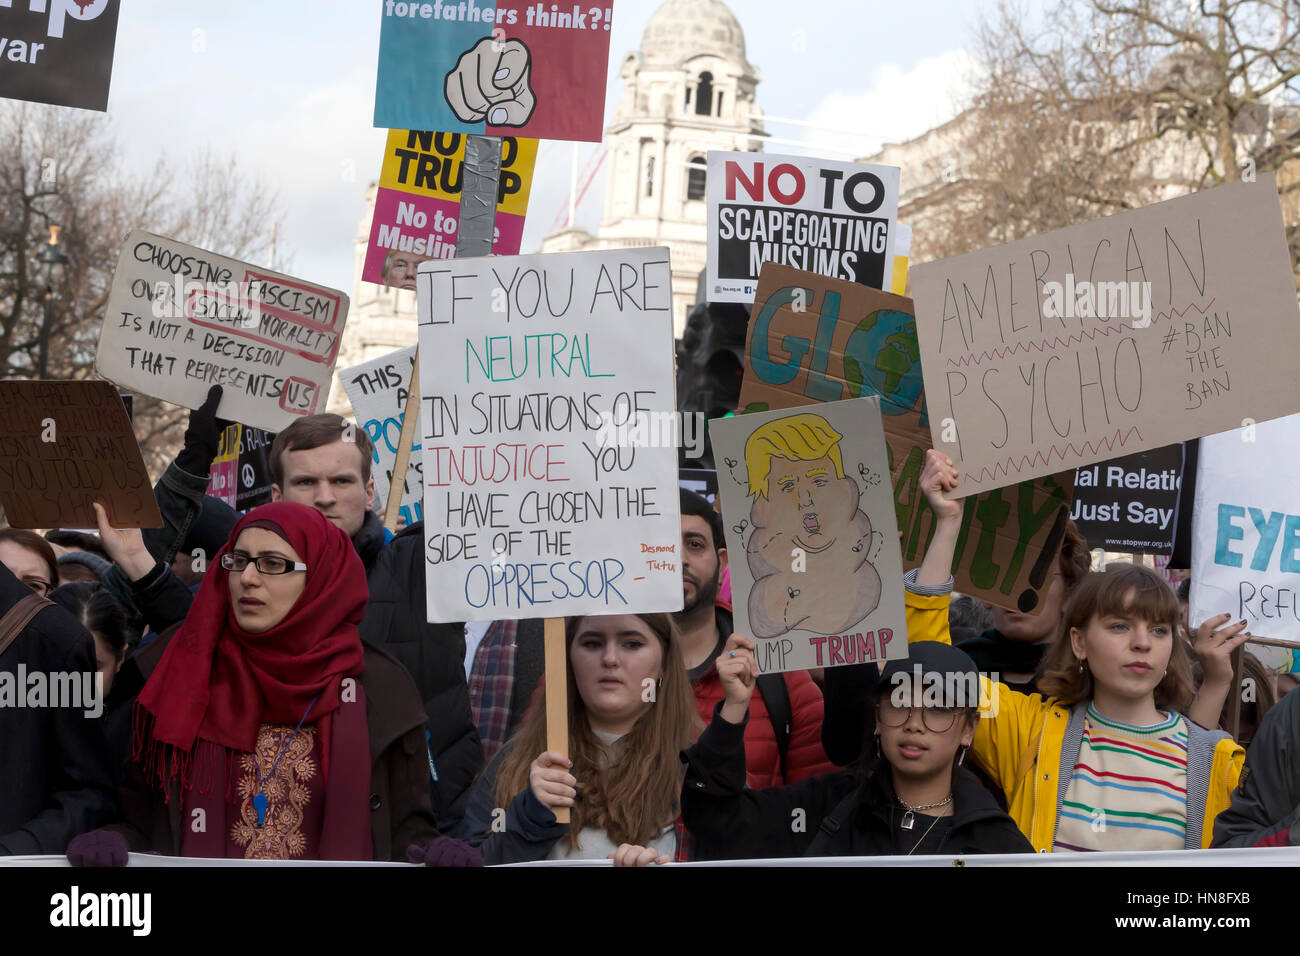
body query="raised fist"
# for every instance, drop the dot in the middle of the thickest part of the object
(490, 82)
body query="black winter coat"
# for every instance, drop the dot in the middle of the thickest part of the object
(1265, 808)
(434, 654)
(55, 775)
(843, 814)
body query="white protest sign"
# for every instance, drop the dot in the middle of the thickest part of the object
(1111, 337)
(181, 319)
(549, 432)
(1246, 529)
(377, 391)
(816, 569)
(832, 218)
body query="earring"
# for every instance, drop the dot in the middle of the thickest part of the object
(962, 756)
(879, 752)
(1083, 665)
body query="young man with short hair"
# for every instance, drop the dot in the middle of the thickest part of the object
(324, 461)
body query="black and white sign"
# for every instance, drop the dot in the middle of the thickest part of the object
(58, 51)
(834, 219)
(1130, 504)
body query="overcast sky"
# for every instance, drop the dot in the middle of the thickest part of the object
(288, 87)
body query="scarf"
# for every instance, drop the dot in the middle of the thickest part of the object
(217, 684)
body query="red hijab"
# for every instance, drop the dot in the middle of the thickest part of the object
(217, 682)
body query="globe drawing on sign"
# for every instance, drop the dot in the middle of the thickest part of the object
(882, 357)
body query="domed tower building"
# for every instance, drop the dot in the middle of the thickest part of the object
(689, 89)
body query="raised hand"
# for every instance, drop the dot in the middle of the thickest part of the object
(125, 546)
(937, 477)
(738, 672)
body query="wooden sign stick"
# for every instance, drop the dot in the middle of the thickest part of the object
(557, 696)
(411, 414)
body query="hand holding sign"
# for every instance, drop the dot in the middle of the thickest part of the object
(125, 546)
(490, 82)
(940, 476)
(1214, 642)
(738, 672)
(550, 780)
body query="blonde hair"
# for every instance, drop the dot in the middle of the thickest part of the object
(804, 437)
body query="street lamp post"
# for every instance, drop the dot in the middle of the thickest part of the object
(51, 255)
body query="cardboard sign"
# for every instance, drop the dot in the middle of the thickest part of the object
(1130, 504)
(60, 52)
(64, 445)
(816, 573)
(1112, 337)
(847, 340)
(549, 434)
(1246, 529)
(513, 68)
(834, 219)
(180, 320)
(377, 391)
(417, 207)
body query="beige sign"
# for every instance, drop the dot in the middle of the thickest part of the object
(1112, 337)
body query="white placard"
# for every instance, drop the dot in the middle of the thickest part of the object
(181, 319)
(377, 390)
(548, 425)
(832, 218)
(1246, 530)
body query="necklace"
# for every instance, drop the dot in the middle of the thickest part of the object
(908, 826)
(259, 798)
(909, 818)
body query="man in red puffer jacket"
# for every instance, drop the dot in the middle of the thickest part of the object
(778, 752)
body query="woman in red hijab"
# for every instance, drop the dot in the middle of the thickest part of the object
(266, 712)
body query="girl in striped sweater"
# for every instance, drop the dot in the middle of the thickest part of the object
(1103, 757)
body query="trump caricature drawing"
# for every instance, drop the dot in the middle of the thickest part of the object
(810, 543)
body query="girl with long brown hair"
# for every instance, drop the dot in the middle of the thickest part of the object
(630, 715)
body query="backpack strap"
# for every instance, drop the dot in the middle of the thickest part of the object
(19, 616)
(831, 824)
(776, 697)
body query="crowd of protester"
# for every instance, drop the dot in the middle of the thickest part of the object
(268, 688)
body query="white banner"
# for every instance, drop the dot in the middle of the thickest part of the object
(549, 431)
(378, 390)
(1246, 856)
(1246, 532)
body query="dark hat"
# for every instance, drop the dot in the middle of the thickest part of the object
(211, 527)
(939, 668)
(87, 559)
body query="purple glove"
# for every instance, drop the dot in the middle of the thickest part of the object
(98, 848)
(444, 851)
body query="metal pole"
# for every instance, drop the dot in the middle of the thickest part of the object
(45, 330)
